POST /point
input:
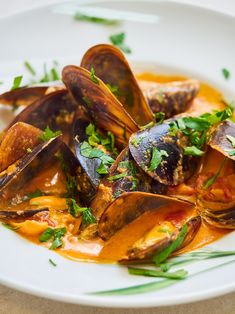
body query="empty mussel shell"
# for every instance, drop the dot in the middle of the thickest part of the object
(111, 66)
(103, 107)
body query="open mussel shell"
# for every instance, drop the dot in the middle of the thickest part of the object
(89, 165)
(129, 206)
(15, 142)
(112, 68)
(174, 168)
(85, 188)
(23, 96)
(102, 106)
(25, 168)
(13, 215)
(219, 140)
(55, 110)
(171, 98)
(135, 179)
(159, 238)
(218, 214)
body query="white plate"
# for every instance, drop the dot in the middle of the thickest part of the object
(177, 39)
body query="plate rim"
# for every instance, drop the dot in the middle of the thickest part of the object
(104, 301)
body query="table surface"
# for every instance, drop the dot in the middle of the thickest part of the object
(14, 302)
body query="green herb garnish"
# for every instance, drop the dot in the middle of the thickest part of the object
(8, 226)
(36, 193)
(231, 139)
(163, 255)
(55, 235)
(94, 78)
(212, 179)
(55, 75)
(159, 117)
(94, 19)
(29, 68)
(113, 89)
(118, 40)
(117, 176)
(75, 210)
(16, 82)
(193, 151)
(226, 73)
(179, 274)
(156, 158)
(136, 141)
(52, 262)
(48, 134)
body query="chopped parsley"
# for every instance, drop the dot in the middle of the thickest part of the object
(118, 176)
(75, 210)
(113, 89)
(52, 262)
(48, 134)
(36, 193)
(159, 117)
(193, 151)
(136, 141)
(94, 78)
(16, 82)
(226, 73)
(118, 40)
(54, 74)
(212, 179)
(29, 67)
(156, 158)
(55, 235)
(94, 19)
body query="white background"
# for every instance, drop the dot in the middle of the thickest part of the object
(12, 302)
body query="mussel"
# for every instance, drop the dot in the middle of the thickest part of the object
(15, 142)
(159, 238)
(171, 98)
(130, 206)
(126, 176)
(102, 106)
(23, 96)
(19, 215)
(55, 110)
(174, 167)
(25, 168)
(111, 66)
(220, 139)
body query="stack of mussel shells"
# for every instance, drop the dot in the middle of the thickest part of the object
(104, 92)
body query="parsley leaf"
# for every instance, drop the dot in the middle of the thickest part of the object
(226, 73)
(48, 134)
(94, 78)
(75, 210)
(55, 235)
(159, 117)
(113, 89)
(231, 140)
(193, 151)
(163, 255)
(118, 176)
(156, 158)
(36, 193)
(196, 123)
(118, 41)
(16, 82)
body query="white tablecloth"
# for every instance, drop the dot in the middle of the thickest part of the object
(14, 302)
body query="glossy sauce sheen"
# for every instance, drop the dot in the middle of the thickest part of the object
(115, 249)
